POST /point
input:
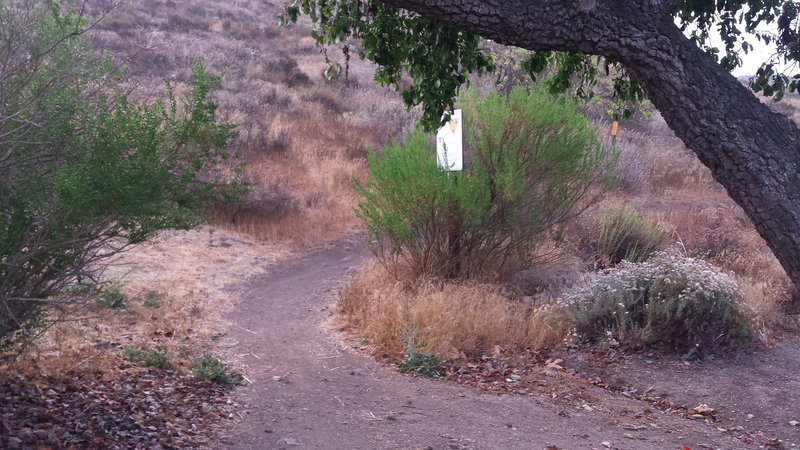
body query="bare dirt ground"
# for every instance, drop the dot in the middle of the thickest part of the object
(309, 387)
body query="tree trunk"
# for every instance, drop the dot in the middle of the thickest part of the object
(753, 152)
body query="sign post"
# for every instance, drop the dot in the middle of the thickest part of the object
(449, 148)
(614, 130)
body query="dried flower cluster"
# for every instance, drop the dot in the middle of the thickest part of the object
(670, 300)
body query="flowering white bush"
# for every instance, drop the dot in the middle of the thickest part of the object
(670, 300)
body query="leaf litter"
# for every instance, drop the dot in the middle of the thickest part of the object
(132, 407)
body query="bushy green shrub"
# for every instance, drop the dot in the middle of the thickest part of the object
(620, 233)
(83, 172)
(669, 301)
(212, 370)
(530, 161)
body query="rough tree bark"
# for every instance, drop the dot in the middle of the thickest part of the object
(753, 152)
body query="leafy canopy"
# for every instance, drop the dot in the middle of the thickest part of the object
(439, 57)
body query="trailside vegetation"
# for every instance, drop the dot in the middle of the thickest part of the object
(750, 150)
(84, 172)
(533, 159)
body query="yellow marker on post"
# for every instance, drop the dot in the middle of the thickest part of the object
(614, 128)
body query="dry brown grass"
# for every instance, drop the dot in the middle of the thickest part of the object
(304, 138)
(190, 271)
(304, 194)
(448, 318)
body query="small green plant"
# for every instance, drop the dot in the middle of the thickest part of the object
(133, 353)
(80, 289)
(619, 233)
(212, 370)
(158, 357)
(426, 364)
(670, 301)
(113, 297)
(415, 361)
(152, 300)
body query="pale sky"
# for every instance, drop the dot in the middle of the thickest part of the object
(753, 59)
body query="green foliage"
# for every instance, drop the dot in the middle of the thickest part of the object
(669, 301)
(533, 159)
(426, 364)
(152, 300)
(157, 358)
(81, 289)
(415, 361)
(83, 171)
(113, 297)
(212, 370)
(621, 233)
(437, 56)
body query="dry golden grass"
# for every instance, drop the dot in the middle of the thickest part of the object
(446, 318)
(304, 138)
(312, 180)
(191, 273)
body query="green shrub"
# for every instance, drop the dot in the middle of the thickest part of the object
(158, 357)
(212, 370)
(84, 173)
(113, 297)
(669, 301)
(620, 233)
(531, 160)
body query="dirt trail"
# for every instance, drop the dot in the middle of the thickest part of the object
(311, 390)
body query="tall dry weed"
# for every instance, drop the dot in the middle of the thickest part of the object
(448, 318)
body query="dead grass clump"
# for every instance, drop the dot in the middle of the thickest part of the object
(632, 171)
(268, 201)
(280, 69)
(652, 157)
(314, 170)
(124, 21)
(446, 318)
(326, 97)
(619, 232)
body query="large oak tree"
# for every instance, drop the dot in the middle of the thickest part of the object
(753, 152)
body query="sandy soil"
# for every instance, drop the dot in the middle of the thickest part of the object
(310, 389)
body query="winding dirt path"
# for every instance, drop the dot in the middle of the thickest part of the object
(311, 390)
